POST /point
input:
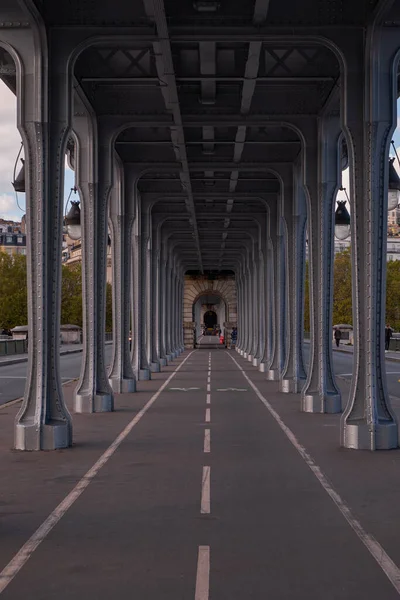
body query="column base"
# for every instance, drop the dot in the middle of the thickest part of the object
(250, 357)
(245, 355)
(89, 403)
(256, 362)
(358, 436)
(262, 367)
(273, 375)
(169, 357)
(155, 367)
(144, 375)
(51, 436)
(240, 352)
(291, 385)
(163, 362)
(122, 385)
(317, 403)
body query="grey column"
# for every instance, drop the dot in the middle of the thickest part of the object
(43, 422)
(93, 393)
(141, 295)
(248, 307)
(239, 288)
(156, 307)
(275, 368)
(258, 319)
(121, 375)
(321, 393)
(168, 302)
(267, 309)
(368, 421)
(163, 308)
(294, 375)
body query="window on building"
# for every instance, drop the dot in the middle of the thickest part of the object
(390, 256)
(20, 239)
(23, 251)
(9, 239)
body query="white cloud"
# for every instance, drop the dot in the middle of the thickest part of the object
(9, 208)
(10, 140)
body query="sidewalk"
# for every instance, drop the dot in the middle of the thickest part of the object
(14, 359)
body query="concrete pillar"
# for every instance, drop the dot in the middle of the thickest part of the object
(321, 393)
(43, 422)
(121, 376)
(93, 393)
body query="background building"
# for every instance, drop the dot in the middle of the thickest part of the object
(12, 237)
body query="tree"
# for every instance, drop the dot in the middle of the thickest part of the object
(71, 294)
(393, 294)
(109, 307)
(13, 290)
(342, 294)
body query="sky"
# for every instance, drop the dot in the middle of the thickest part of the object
(10, 142)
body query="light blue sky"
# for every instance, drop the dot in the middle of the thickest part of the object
(10, 143)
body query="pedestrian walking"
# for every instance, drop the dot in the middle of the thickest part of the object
(388, 335)
(338, 336)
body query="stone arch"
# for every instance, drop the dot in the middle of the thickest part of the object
(200, 285)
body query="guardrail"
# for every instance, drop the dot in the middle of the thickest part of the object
(10, 347)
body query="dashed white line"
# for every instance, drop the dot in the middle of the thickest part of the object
(23, 555)
(205, 492)
(208, 398)
(209, 373)
(208, 387)
(208, 415)
(203, 574)
(390, 569)
(207, 440)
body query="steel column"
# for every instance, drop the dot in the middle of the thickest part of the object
(93, 393)
(43, 422)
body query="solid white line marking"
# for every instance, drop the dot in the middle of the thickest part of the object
(390, 569)
(208, 387)
(23, 555)
(203, 574)
(207, 440)
(208, 398)
(205, 491)
(208, 415)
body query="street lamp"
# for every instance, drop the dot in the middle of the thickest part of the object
(342, 219)
(73, 218)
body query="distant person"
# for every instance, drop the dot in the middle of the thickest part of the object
(234, 336)
(338, 336)
(388, 335)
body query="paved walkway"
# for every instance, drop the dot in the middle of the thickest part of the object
(197, 490)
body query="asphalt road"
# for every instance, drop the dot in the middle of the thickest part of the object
(13, 377)
(207, 496)
(343, 366)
